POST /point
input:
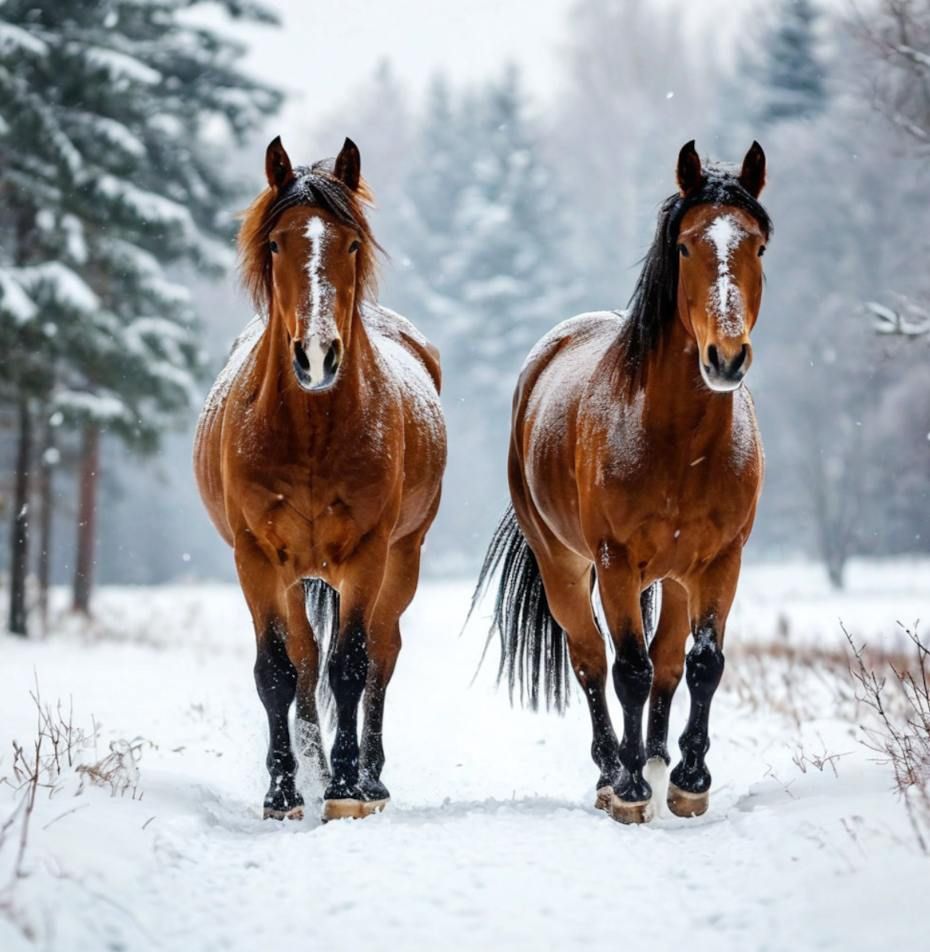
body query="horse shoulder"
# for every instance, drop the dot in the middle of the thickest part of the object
(387, 323)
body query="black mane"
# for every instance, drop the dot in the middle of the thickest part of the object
(654, 302)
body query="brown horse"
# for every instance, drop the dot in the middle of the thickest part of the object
(635, 459)
(319, 456)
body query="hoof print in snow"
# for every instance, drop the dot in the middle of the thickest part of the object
(683, 803)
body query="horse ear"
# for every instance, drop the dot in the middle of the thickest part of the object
(349, 165)
(690, 174)
(752, 174)
(278, 165)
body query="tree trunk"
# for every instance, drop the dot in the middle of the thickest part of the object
(87, 519)
(46, 511)
(19, 536)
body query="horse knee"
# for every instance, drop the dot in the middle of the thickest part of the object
(275, 676)
(348, 668)
(632, 673)
(705, 665)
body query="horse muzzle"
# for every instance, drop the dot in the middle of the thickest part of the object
(724, 372)
(317, 363)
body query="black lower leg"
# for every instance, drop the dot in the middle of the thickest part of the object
(632, 680)
(660, 707)
(371, 758)
(348, 669)
(276, 681)
(703, 672)
(605, 749)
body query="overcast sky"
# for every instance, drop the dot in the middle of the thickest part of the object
(325, 48)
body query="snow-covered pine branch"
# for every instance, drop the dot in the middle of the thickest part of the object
(910, 321)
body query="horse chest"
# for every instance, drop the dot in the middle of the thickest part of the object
(309, 510)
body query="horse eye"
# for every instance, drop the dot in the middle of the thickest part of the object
(683, 251)
(354, 247)
(273, 245)
(761, 250)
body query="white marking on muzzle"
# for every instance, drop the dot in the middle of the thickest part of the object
(318, 324)
(725, 301)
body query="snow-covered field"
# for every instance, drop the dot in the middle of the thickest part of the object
(491, 840)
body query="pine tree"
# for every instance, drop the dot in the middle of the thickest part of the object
(485, 252)
(512, 263)
(785, 67)
(111, 168)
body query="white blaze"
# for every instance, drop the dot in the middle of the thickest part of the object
(319, 325)
(725, 301)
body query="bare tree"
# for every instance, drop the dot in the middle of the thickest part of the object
(898, 34)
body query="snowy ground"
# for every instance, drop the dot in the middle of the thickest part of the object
(491, 841)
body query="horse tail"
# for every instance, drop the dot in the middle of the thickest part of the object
(322, 604)
(534, 647)
(649, 604)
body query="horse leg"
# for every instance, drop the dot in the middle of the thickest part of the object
(275, 676)
(348, 674)
(710, 597)
(567, 583)
(400, 585)
(667, 653)
(619, 587)
(304, 654)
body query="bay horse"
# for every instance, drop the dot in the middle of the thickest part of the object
(319, 455)
(634, 460)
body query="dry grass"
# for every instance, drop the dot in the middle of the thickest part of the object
(896, 693)
(883, 695)
(59, 752)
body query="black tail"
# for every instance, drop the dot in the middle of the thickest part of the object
(322, 603)
(534, 648)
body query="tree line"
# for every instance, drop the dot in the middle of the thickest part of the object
(504, 218)
(112, 181)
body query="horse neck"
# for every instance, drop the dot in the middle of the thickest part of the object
(676, 397)
(286, 405)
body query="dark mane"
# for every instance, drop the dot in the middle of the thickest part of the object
(313, 186)
(654, 302)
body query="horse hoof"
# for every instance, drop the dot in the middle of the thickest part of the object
(625, 811)
(349, 808)
(604, 796)
(295, 813)
(683, 803)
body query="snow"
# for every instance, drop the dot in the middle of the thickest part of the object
(14, 300)
(65, 286)
(725, 300)
(490, 841)
(150, 207)
(102, 407)
(238, 355)
(744, 433)
(14, 38)
(411, 376)
(121, 66)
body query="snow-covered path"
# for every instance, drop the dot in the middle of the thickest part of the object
(490, 841)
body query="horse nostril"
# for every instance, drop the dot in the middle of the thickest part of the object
(333, 358)
(300, 355)
(714, 357)
(740, 359)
